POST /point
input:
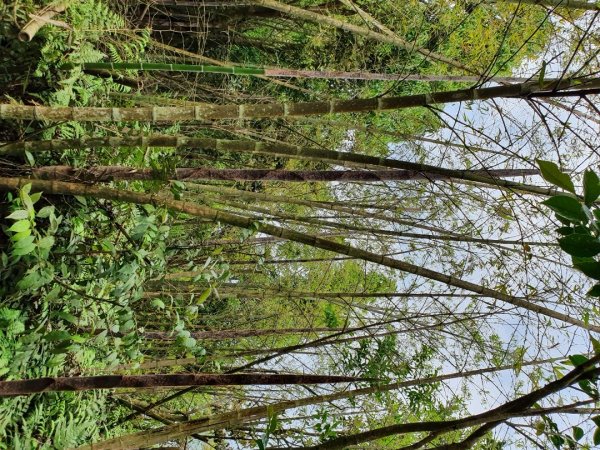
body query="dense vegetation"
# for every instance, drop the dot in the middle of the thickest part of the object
(299, 224)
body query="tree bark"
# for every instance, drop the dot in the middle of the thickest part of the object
(111, 173)
(55, 384)
(274, 110)
(569, 4)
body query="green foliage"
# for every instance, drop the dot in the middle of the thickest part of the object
(581, 215)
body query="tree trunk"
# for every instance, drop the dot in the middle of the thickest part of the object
(111, 173)
(287, 73)
(55, 384)
(570, 4)
(274, 110)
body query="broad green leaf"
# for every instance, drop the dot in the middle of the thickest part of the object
(595, 345)
(46, 242)
(578, 360)
(67, 317)
(594, 291)
(63, 347)
(562, 220)
(24, 250)
(552, 174)
(19, 214)
(30, 158)
(590, 268)
(202, 297)
(566, 207)
(565, 231)
(596, 420)
(20, 226)
(35, 197)
(577, 433)
(596, 438)
(158, 303)
(591, 187)
(22, 235)
(24, 242)
(57, 335)
(45, 212)
(580, 245)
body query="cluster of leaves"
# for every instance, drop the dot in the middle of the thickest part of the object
(580, 232)
(64, 312)
(580, 219)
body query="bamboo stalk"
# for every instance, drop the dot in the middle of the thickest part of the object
(284, 72)
(57, 384)
(569, 4)
(247, 146)
(265, 110)
(112, 173)
(63, 188)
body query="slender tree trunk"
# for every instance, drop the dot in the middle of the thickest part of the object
(55, 384)
(247, 146)
(100, 174)
(287, 73)
(570, 4)
(230, 334)
(251, 111)
(63, 188)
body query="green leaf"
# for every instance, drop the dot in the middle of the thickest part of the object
(158, 303)
(596, 438)
(590, 268)
(19, 214)
(67, 317)
(35, 197)
(202, 297)
(20, 226)
(45, 212)
(25, 241)
(81, 199)
(22, 235)
(57, 335)
(580, 245)
(578, 360)
(594, 291)
(542, 73)
(591, 187)
(566, 207)
(595, 345)
(552, 174)
(565, 231)
(30, 158)
(577, 433)
(46, 242)
(23, 250)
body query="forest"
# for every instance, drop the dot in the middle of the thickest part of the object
(299, 224)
